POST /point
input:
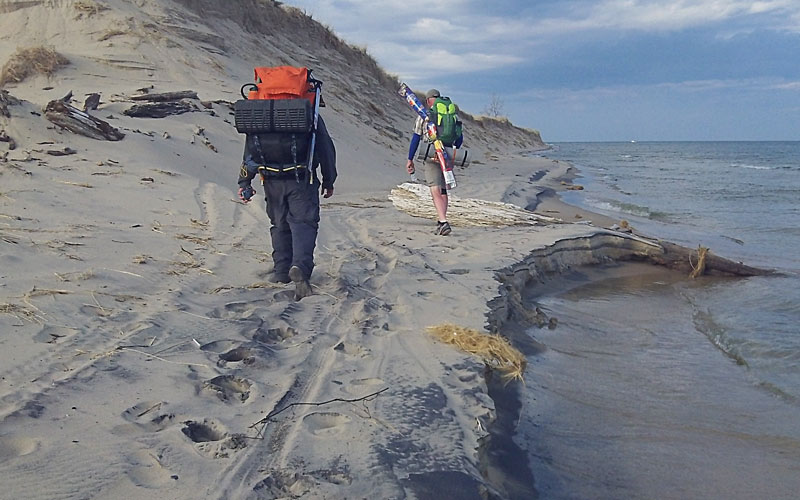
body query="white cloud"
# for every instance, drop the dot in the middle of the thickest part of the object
(417, 35)
(788, 86)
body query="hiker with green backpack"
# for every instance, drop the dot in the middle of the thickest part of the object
(444, 113)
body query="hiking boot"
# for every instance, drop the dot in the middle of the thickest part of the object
(280, 278)
(443, 229)
(302, 288)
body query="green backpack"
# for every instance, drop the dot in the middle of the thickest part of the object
(445, 115)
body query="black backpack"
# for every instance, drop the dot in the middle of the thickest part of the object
(278, 115)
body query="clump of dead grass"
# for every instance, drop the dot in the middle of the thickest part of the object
(495, 350)
(31, 61)
(88, 7)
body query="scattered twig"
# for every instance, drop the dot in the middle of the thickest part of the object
(160, 358)
(260, 435)
(154, 407)
(123, 272)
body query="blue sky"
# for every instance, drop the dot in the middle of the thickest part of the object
(594, 70)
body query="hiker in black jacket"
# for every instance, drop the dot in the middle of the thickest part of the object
(292, 206)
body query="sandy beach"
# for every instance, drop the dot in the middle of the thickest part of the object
(143, 352)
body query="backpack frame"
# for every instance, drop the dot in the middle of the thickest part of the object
(279, 115)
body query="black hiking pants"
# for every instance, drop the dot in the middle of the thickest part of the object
(293, 210)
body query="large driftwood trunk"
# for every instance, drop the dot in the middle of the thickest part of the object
(415, 200)
(80, 122)
(687, 259)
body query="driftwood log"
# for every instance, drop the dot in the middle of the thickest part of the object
(6, 100)
(159, 109)
(415, 200)
(12, 145)
(80, 122)
(166, 96)
(688, 259)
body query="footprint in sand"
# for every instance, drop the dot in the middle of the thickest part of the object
(352, 349)
(220, 346)
(237, 310)
(203, 432)
(212, 439)
(14, 447)
(235, 355)
(147, 415)
(229, 388)
(284, 296)
(272, 336)
(325, 423)
(364, 386)
(147, 470)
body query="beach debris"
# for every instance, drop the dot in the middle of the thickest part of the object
(622, 227)
(683, 259)
(698, 269)
(166, 96)
(263, 422)
(61, 152)
(201, 133)
(79, 122)
(6, 100)
(4, 137)
(415, 200)
(495, 350)
(159, 109)
(91, 102)
(735, 240)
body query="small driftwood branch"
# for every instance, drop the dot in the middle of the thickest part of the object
(276, 412)
(80, 122)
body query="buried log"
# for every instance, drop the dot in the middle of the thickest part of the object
(701, 261)
(80, 122)
(166, 96)
(160, 109)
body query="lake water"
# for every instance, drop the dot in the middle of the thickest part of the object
(656, 386)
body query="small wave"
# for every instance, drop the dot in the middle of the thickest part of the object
(630, 209)
(753, 167)
(706, 325)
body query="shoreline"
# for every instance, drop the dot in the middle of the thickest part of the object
(608, 255)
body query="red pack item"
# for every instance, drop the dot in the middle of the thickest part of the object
(282, 82)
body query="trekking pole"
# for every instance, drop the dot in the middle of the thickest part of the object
(317, 85)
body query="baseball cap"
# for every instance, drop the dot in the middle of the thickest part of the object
(432, 93)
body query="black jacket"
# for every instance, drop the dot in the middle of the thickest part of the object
(324, 158)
